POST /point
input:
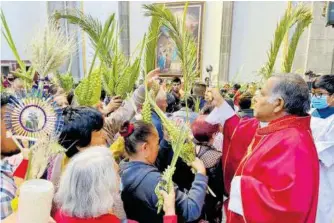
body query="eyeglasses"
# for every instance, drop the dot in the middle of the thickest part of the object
(319, 94)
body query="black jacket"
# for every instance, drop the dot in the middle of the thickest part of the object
(139, 181)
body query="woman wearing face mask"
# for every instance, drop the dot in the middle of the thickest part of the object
(140, 177)
(322, 125)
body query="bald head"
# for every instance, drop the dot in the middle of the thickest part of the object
(161, 100)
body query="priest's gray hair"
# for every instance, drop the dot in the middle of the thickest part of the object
(294, 91)
(89, 185)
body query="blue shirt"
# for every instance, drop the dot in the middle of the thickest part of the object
(323, 113)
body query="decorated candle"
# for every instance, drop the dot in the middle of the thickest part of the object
(35, 201)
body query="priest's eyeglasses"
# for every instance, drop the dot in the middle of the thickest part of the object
(319, 94)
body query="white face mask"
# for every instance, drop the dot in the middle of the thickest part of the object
(264, 124)
(218, 141)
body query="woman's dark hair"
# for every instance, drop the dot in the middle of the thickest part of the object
(79, 123)
(5, 98)
(236, 86)
(70, 97)
(325, 82)
(190, 102)
(176, 80)
(245, 101)
(138, 133)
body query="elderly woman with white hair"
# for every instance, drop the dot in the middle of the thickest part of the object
(89, 190)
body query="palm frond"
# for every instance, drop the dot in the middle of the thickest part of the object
(8, 36)
(302, 24)
(87, 23)
(94, 28)
(88, 92)
(51, 49)
(286, 37)
(197, 105)
(151, 44)
(287, 21)
(281, 29)
(183, 39)
(21, 72)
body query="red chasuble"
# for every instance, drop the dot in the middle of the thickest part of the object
(278, 179)
(238, 134)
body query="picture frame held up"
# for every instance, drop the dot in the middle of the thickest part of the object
(166, 52)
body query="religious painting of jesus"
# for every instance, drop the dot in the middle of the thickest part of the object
(167, 59)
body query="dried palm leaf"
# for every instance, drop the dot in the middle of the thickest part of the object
(44, 149)
(51, 49)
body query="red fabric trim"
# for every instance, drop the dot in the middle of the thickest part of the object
(21, 170)
(170, 219)
(289, 121)
(130, 130)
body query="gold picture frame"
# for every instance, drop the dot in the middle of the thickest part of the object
(166, 54)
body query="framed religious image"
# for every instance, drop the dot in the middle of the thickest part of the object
(167, 59)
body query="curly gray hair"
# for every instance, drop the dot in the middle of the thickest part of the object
(89, 185)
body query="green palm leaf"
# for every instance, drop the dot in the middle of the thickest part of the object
(94, 28)
(183, 39)
(8, 36)
(304, 22)
(21, 72)
(288, 20)
(88, 92)
(151, 43)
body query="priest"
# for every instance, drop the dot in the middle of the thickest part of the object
(277, 178)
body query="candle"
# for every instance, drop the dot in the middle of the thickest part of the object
(35, 201)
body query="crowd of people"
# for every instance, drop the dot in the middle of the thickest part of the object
(265, 154)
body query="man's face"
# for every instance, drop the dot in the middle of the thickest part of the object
(265, 109)
(8, 146)
(176, 87)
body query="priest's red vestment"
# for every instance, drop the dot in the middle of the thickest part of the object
(278, 178)
(234, 149)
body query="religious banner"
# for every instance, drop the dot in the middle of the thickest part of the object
(167, 59)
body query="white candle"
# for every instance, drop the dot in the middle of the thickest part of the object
(35, 201)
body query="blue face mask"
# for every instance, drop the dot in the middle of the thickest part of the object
(319, 103)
